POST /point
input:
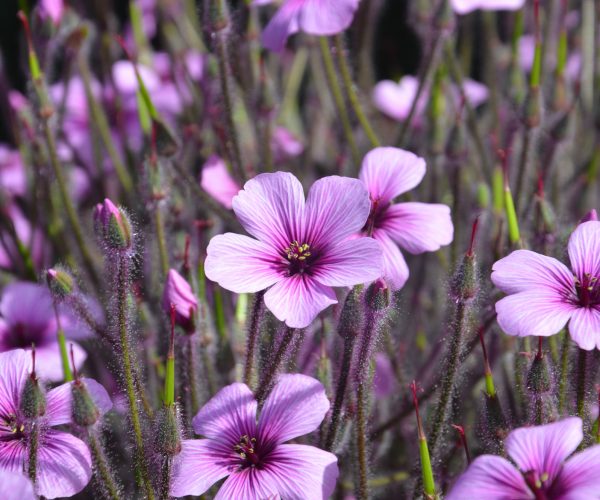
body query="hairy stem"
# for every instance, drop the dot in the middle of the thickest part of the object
(106, 478)
(253, 335)
(280, 356)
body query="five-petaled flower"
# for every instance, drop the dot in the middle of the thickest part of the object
(251, 454)
(302, 250)
(315, 17)
(543, 294)
(541, 469)
(64, 465)
(415, 227)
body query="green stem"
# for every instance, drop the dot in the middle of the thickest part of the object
(64, 356)
(253, 336)
(564, 365)
(102, 469)
(280, 356)
(361, 437)
(161, 240)
(122, 300)
(166, 470)
(581, 382)
(191, 366)
(33, 445)
(338, 98)
(351, 91)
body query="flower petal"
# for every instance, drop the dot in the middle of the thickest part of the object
(394, 268)
(247, 484)
(466, 6)
(579, 476)
(218, 182)
(283, 24)
(584, 327)
(296, 406)
(15, 486)
(60, 399)
(64, 465)
(395, 99)
(492, 478)
(418, 227)
(13, 455)
(48, 361)
(302, 472)
(540, 313)
(271, 208)
(544, 448)
(524, 270)
(353, 262)
(200, 464)
(229, 415)
(389, 172)
(584, 249)
(336, 208)
(14, 369)
(28, 304)
(298, 299)
(242, 264)
(326, 17)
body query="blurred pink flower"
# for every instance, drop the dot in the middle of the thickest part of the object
(179, 293)
(542, 467)
(466, 6)
(54, 9)
(285, 145)
(412, 226)
(315, 17)
(218, 182)
(32, 238)
(526, 54)
(251, 454)
(13, 180)
(302, 248)
(544, 294)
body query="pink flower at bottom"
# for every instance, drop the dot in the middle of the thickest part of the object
(251, 454)
(544, 294)
(302, 248)
(414, 227)
(542, 468)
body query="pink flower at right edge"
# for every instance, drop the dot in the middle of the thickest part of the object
(415, 227)
(315, 17)
(466, 6)
(540, 470)
(543, 294)
(251, 454)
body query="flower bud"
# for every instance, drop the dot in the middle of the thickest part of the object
(377, 296)
(591, 215)
(167, 439)
(464, 285)
(33, 399)
(351, 316)
(83, 409)
(532, 108)
(60, 282)
(178, 292)
(112, 225)
(538, 378)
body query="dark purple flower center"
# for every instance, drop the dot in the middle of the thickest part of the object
(538, 484)
(22, 336)
(299, 257)
(247, 449)
(376, 216)
(588, 290)
(11, 428)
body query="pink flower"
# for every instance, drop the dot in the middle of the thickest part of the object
(315, 17)
(251, 454)
(64, 465)
(16, 486)
(395, 99)
(543, 294)
(178, 292)
(540, 470)
(466, 6)
(414, 227)
(285, 145)
(53, 9)
(26, 317)
(217, 181)
(12, 172)
(302, 249)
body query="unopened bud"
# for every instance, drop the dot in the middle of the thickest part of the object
(350, 323)
(377, 296)
(465, 285)
(83, 409)
(179, 293)
(33, 399)
(592, 215)
(60, 282)
(532, 108)
(167, 433)
(112, 225)
(538, 378)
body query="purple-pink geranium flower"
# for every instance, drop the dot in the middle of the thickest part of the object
(315, 17)
(414, 227)
(252, 454)
(544, 294)
(27, 317)
(466, 6)
(542, 468)
(64, 465)
(302, 248)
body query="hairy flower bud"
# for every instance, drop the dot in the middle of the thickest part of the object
(33, 399)
(464, 285)
(538, 377)
(351, 318)
(179, 293)
(83, 409)
(167, 439)
(112, 225)
(60, 282)
(377, 296)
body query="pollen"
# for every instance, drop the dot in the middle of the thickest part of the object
(297, 251)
